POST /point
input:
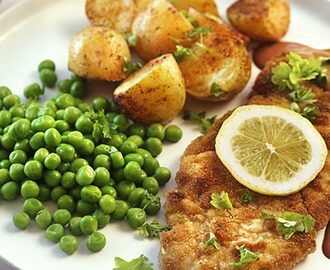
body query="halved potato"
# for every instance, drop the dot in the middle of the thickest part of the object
(98, 53)
(156, 28)
(208, 6)
(117, 14)
(155, 93)
(218, 70)
(263, 20)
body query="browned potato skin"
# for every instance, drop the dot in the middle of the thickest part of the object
(155, 93)
(262, 20)
(208, 6)
(118, 14)
(154, 27)
(226, 54)
(97, 53)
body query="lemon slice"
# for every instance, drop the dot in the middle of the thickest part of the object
(270, 150)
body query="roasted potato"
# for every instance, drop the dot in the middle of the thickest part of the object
(262, 20)
(98, 53)
(156, 27)
(219, 69)
(117, 14)
(155, 93)
(208, 6)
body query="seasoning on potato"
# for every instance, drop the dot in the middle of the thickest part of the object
(98, 53)
(155, 93)
(263, 20)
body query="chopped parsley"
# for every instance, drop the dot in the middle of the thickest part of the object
(212, 241)
(130, 67)
(199, 31)
(153, 229)
(245, 256)
(131, 39)
(181, 52)
(246, 197)
(216, 90)
(290, 222)
(200, 118)
(221, 201)
(180, 217)
(141, 263)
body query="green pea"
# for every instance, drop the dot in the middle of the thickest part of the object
(52, 137)
(90, 193)
(102, 160)
(74, 226)
(96, 242)
(44, 193)
(21, 220)
(7, 142)
(20, 129)
(151, 185)
(5, 118)
(151, 204)
(37, 141)
(47, 111)
(156, 130)
(124, 188)
(76, 139)
(102, 149)
(154, 146)
(16, 172)
(17, 111)
(84, 107)
(4, 91)
(136, 196)
(33, 169)
(77, 164)
(117, 159)
(59, 115)
(162, 175)
(5, 164)
(32, 112)
(118, 175)
(22, 145)
(68, 180)
(65, 100)
(85, 175)
(32, 206)
(87, 148)
(9, 191)
(32, 91)
(62, 216)
(128, 146)
(57, 192)
(150, 165)
(107, 204)
(66, 152)
(17, 156)
(136, 129)
(120, 210)
(66, 202)
(29, 189)
(84, 124)
(134, 157)
(41, 154)
(62, 126)
(43, 123)
(71, 114)
(121, 121)
(48, 77)
(69, 244)
(78, 89)
(85, 208)
(11, 101)
(4, 154)
(109, 190)
(116, 141)
(88, 225)
(136, 217)
(4, 176)
(43, 219)
(52, 161)
(132, 171)
(48, 64)
(54, 232)
(173, 133)
(64, 85)
(100, 103)
(75, 192)
(102, 219)
(102, 176)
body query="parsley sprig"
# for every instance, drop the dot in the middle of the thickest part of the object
(212, 241)
(290, 222)
(216, 90)
(141, 263)
(153, 229)
(131, 39)
(290, 76)
(200, 118)
(131, 67)
(181, 52)
(221, 201)
(245, 256)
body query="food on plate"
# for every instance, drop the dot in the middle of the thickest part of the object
(205, 6)
(116, 14)
(217, 66)
(99, 53)
(155, 93)
(262, 20)
(259, 231)
(271, 150)
(157, 27)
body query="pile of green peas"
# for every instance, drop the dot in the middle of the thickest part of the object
(50, 152)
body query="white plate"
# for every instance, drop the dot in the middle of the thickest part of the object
(37, 29)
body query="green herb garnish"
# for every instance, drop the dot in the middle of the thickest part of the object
(141, 263)
(199, 31)
(221, 201)
(246, 197)
(181, 52)
(212, 241)
(200, 118)
(245, 256)
(153, 229)
(130, 67)
(131, 39)
(180, 217)
(216, 90)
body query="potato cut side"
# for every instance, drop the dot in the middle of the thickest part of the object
(98, 53)
(155, 93)
(157, 28)
(208, 6)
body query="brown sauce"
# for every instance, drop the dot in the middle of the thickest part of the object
(267, 52)
(326, 242)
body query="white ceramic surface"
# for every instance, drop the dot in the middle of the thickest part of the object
(33, 30)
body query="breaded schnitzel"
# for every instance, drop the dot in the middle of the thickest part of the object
(201, 173)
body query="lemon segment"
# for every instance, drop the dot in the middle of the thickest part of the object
(270, 150)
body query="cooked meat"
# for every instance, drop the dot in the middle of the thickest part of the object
(201, 173)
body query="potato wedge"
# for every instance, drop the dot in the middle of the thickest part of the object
(117, 14)
(208, 6)
(156, 26)
(155, 93)
(98, 53)
(263, 20)
(218, 70)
